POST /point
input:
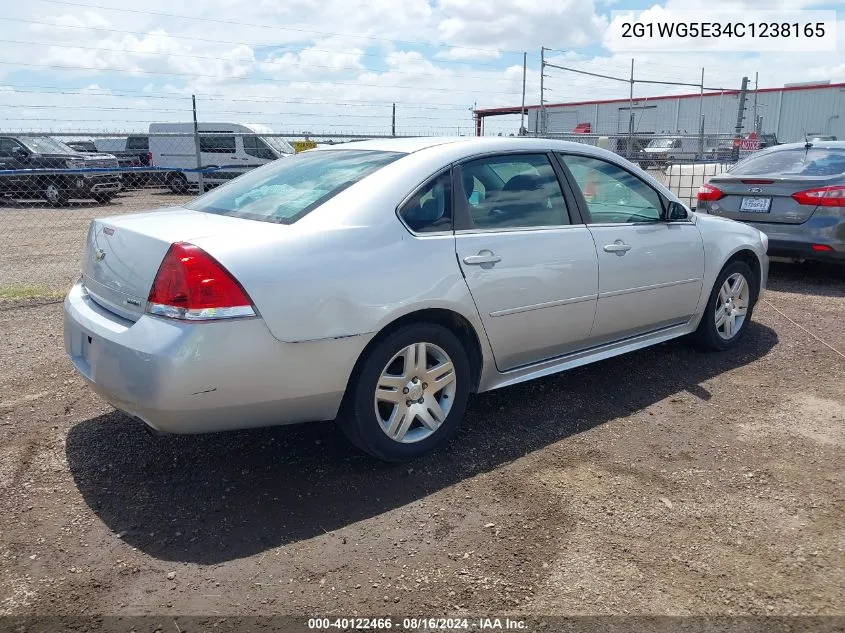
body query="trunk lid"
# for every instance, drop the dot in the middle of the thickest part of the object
(123, 253)
(781, 208)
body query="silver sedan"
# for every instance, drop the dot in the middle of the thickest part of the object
(381, 283)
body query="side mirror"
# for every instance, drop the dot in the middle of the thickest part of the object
(675, 211)
(21, 154)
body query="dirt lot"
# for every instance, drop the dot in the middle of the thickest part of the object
(662, 482)
(57, 234)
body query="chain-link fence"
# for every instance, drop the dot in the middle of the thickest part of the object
(52, 186)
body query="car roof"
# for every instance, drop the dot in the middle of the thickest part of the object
(467, 145)
(818, 144)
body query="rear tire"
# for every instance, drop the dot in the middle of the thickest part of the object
(729, 308)
(103, 198)
(409, 393)
(177, 182)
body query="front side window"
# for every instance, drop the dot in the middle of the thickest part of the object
(430, 209)
(8, 146)
(217, 144)
(516, 191)
(141, 143)
(286, 190)
(254, 146)
(612, 194)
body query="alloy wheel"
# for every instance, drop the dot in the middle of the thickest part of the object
(415, 392)
(732, 306)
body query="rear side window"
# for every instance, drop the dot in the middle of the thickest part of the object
(815, 161)
(287, 189)
(430, 209)
(141, 143)
(217, 144)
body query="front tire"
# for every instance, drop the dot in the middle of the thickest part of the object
(177, 183)
(409, 394)
(55, 195)
(103, 198)
(729, 308)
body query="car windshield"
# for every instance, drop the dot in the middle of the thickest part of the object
(661, 143)
(279, 144)
(286, 190)
(45, 145)
(815, 161)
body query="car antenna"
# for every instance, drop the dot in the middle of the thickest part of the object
(807, 143)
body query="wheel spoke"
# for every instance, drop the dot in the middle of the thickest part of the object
(738, 287)
(428, 420)
(399, 422)
(721, 317)
(431, 414)
(740, 311)
(394, 396)
(729, 326)
(415, 359)
(723, 292)
(440, 376)
(387, 381)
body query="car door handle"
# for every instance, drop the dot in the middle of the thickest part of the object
(617, 247)
(484, 257)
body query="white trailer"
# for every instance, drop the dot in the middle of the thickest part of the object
(226, 149)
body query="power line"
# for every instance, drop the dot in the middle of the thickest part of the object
(141, 94)
(277, 28)
(208, 112)
(264, 79)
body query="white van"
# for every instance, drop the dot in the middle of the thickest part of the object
(234, 148)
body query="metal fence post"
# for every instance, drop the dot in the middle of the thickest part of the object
(197, 145)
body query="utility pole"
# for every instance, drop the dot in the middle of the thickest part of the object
(701, 116)
(393, 122)
(522, 109)
(540, 128)
(630, 151)
(756, 127)
(197, 144)
(740, 113)
(740, 116)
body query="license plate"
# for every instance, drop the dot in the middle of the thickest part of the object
(755, 205)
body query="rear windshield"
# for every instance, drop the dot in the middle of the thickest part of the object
(287, 189)
(815, 161)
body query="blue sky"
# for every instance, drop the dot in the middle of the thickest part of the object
(338, 65)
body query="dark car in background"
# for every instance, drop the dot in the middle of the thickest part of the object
(794, 193)
(131, 152)
(43, 167)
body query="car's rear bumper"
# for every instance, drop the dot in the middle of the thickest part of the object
(821, 238)
(201, 377)
(805, 250)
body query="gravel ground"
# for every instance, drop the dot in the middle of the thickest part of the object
(661, 482)
(57, 235)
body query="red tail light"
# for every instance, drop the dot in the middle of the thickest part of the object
(192, 285)
(708, 193)
(821, 248)
(822, 197)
